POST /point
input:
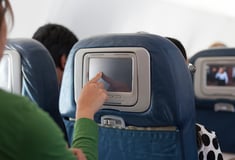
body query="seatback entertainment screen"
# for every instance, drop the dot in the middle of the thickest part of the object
(215, 78)
(117, 73)
(125, 75)
(220, 75)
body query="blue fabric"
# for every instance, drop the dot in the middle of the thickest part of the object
(69, 129)
(172, 97)
(221, 122)
(39, 79)
(138, 145)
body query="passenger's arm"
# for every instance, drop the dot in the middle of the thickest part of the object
(78, 153)
(42, 138)
(91, 99)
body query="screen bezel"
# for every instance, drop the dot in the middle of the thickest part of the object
(202, 90)
(15, 71)
(134, 101)
(116, 98)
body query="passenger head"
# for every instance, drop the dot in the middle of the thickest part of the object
(58, 40)
(217, 45)
(6, 16)
(179, 45)
(221, 69)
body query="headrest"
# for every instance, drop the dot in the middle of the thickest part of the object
(10, 70)
(171, 99)
(214, 80)
(39, 79)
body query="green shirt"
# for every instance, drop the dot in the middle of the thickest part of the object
(28, 133)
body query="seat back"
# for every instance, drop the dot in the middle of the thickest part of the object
(214, 87)
(153, 117)
(35, 75)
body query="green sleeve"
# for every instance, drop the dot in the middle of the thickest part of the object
(43, 138)
(86, 137)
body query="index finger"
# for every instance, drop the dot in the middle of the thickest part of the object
(107, 79)
(96, 78)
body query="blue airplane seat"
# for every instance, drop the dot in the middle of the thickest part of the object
(214, 100)
(38, 79)
(160, 124)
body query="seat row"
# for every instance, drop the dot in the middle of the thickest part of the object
(150, 112)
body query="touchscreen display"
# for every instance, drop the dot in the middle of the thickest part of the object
(220, 75)
(117, 73)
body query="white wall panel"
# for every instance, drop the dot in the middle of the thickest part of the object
(196, 28)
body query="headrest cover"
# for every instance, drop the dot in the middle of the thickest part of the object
(171, 89)
(39, 79)
(36, 84)
(171, 86)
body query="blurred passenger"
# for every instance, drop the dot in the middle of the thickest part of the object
(28, 133)
(211, 74)
(206, 151)
(58, 40)
(217, 45)
(179, 45)
(233, 74)
(221, 77)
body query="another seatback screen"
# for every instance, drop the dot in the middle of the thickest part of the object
(117, 73)
(215, 78)
(220, 75)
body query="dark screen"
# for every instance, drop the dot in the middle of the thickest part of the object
(220, 75)
(117, 73)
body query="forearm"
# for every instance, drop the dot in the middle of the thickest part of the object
(86, 137)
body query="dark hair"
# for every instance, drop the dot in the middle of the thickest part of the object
(57, 39)
(178, 45)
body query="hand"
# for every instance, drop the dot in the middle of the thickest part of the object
(116, 86)
(78, 153)
(92, 97)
